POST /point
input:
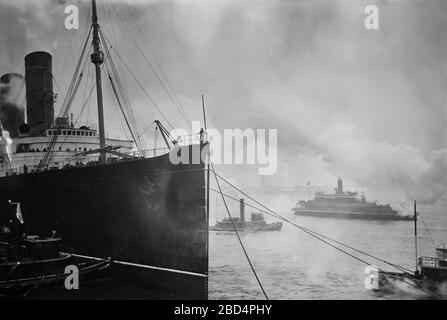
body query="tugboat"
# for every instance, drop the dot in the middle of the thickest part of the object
(433, 270)
(347, 205)
(430, 274)
(29, 262)
(257, 222)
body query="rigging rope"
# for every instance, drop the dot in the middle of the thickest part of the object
(316, 234)
(67, 55)
(311, 233)
(83, 107)
(73, 87)
(142, 88)
(237, 233)
(125, 118)
(179, 109)
(115, 43)
(69, 95)
(124, 104)
(87, 78)
(119, 115)
(427, 231)
(155, 59)
(80, 113)
(319, 237)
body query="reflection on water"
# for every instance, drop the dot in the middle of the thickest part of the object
(293, 265)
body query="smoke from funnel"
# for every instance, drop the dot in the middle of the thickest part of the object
(5, 147)
(306, 68)
(11, 112)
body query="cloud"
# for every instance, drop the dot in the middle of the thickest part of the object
(367, 105)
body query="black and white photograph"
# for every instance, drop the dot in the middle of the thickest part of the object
(230, 151)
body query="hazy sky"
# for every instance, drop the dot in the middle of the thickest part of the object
(365, 105)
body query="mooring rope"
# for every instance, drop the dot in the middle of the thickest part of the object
(314, 233)
(237, 233)
(317, 236)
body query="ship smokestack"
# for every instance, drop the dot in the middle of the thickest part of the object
(39, 90)
(11, 114)
(340, 186)
(242, 209)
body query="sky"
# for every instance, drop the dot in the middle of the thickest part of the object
(365, 105)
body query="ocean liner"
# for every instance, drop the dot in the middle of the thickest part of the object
(105, 197)
(346, 205)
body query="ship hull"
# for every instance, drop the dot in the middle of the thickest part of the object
(394, 282)
(434, 274)
(351, 215)
(147, 215)
(275, 226)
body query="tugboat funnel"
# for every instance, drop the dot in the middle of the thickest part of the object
(242, 209)
(339, 186)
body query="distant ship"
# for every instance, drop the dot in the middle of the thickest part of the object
(346, 205)
(257, 222)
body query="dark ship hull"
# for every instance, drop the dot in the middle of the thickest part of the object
(256, 223)
(275, 226)
(365, 215)
(147, 214)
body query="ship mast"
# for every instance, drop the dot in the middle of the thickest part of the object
(97, 58)
(415, 235)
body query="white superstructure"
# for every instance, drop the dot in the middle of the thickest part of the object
(71, 149)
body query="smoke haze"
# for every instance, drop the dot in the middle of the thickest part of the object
(368, 106)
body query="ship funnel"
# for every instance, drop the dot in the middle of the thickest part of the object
(11, 114)
(339, 186)
(39, 90)
(242, 209)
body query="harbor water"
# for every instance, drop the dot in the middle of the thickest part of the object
(293, 265)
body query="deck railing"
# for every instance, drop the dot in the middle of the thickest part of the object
(429, 262)
(74, 159)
